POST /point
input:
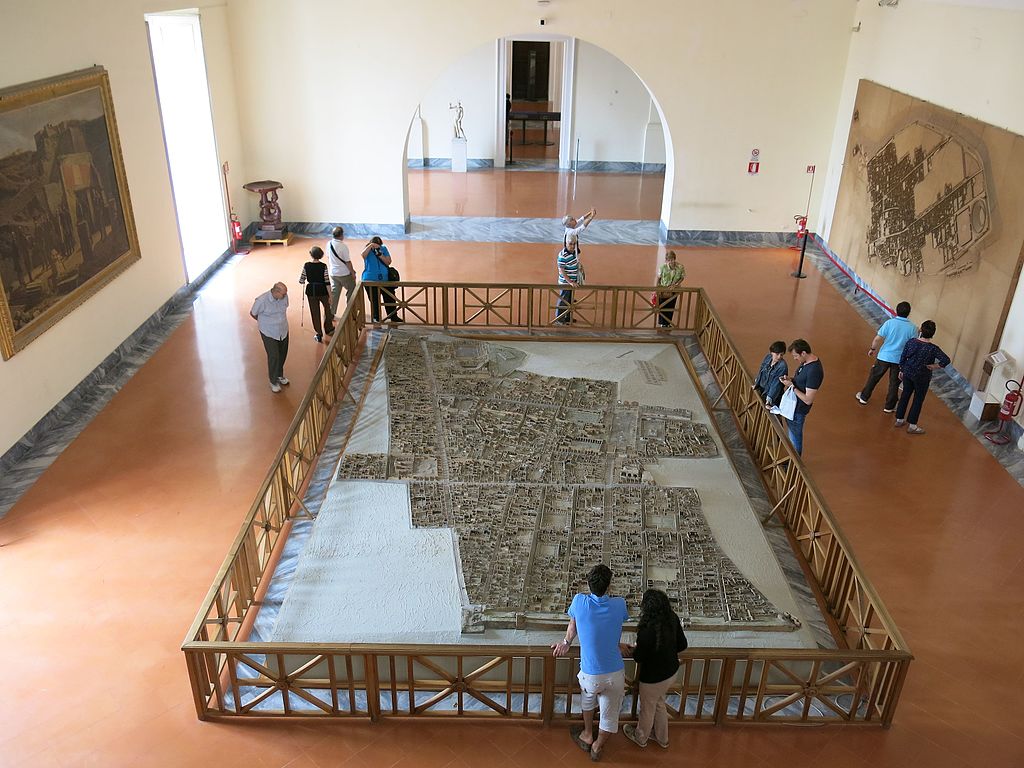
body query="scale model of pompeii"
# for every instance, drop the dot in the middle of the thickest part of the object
(541, 477)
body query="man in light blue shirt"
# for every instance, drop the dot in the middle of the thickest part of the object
(270, 311)
(889, 342)
(597, 618)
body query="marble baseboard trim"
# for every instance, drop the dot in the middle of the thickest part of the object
(486, 229)
(491, 229)
(445, 163)
(542, 164)
(352, 230)
(847, 270)
(605, 166)
(706, 237)
(23, 463)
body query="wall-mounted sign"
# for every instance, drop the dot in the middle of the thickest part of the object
(753, 168)
(810, 169)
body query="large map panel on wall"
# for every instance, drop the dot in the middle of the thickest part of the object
(929, 212)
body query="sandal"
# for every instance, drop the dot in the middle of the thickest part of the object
(575, 732)
(595, 757)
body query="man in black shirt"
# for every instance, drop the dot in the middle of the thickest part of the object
(805, 385)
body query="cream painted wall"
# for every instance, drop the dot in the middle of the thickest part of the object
(221, 76)
(612, 108)
(112, 34)
(473, 80)
(968, 59)
(724, 74)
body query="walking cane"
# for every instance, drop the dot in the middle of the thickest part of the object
(302, 312)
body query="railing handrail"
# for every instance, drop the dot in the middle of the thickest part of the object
(228, 603)
(459, 649)
(816, 494)
(539, 286)
(352, 309)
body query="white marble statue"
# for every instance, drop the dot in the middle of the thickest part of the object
(459, 133)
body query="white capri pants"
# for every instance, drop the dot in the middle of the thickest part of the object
(606, 691)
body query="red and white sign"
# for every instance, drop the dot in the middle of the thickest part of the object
(810, 169)
(753, 168)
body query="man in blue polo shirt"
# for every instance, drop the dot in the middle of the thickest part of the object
(597, 619)
(892, 336)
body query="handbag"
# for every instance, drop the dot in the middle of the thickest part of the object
(654, 299)
(393, 276)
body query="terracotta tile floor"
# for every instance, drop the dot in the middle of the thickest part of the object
(105, 560)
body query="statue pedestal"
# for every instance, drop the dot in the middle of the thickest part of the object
(458, 155)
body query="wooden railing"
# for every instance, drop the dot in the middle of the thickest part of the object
(600, 307)
(857, 684)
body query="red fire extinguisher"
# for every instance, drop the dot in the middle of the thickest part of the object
(236, 228)
(801, 230)
(801, 226)
(1009, 410)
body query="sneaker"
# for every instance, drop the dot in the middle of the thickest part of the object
(913, 429)
(629, 730)
(275, 387)
(317, 338)
(329, 332)
(888, 410)
(860, 399)
(283, 381)
(899, 423)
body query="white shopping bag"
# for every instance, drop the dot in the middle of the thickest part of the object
(787, 406)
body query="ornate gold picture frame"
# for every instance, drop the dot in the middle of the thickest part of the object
(66, 224)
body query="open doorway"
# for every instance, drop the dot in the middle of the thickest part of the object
(534, 109)
(530, 65)
(183, 93)
(603, 107)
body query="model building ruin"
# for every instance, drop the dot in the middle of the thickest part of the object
(540, 478)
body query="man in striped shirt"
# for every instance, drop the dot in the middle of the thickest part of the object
(570, 274)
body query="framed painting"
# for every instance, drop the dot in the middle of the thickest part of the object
(66, 225)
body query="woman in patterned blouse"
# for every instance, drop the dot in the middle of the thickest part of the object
(920, 357)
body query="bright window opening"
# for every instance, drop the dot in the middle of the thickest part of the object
(184, 94)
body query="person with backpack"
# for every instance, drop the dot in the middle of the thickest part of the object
(343, 274)
(376, 260)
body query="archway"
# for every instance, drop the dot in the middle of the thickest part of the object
(610, 121)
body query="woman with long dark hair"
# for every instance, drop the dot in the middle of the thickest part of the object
(659, 641)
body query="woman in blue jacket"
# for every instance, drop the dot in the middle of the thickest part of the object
(376, 261)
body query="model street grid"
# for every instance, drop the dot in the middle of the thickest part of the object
(540, 478)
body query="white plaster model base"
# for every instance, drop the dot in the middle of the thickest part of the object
(367, 576)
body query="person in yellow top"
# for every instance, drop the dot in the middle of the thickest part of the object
(671, 274)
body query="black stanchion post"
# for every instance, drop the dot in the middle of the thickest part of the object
(803, 249)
